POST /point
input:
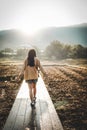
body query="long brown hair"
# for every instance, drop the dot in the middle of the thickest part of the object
(31, 55)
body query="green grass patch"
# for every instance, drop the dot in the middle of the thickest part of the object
(60, 104)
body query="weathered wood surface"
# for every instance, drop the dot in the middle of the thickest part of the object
(23, 117)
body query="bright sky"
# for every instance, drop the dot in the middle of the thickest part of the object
(31, 15)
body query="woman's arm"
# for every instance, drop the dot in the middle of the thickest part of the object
(40, 66)
(23, 68)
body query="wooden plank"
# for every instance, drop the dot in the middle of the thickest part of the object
(32, 117)
(19, 123)
(38, 114)
(12, 116)
(27, 115)
(44, 95)
(22, 107)
(20, 115)
(46, 123)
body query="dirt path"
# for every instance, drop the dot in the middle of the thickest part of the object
(67, 86)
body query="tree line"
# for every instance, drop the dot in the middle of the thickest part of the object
(19, 53)
(56, 50)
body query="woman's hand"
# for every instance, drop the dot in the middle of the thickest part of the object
(19, 77)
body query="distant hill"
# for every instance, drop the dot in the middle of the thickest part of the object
(76, 34)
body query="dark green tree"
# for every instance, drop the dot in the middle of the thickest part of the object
(54, 50)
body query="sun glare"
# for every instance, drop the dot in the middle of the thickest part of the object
(34, 20)
(29, 30)
(40, 17)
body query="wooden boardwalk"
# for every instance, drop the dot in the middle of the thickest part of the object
(23, 117)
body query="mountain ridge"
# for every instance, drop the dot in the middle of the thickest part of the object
(75, 34)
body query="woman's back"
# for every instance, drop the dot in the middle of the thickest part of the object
(31, 72)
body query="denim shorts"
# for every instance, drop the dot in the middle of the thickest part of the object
(32, 81)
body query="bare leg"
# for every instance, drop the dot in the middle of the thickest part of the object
(34, 89)
(30, 91)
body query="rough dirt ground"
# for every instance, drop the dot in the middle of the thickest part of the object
(66, 84)
(9, 87)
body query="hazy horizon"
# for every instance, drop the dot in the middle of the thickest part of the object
(72, 25)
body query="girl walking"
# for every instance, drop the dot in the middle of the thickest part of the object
(31, 66)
